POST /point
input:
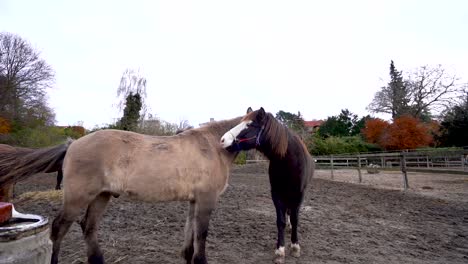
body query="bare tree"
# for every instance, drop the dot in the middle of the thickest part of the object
(183, 125)
(426, 91)
(130, 82)
(432, 90)
(24, 77)
(152, 125)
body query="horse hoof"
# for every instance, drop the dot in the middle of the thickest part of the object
(279, 255)
(96, 259)
(295, 250)
(197, 259)
(187, 254)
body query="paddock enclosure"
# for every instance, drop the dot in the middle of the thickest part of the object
(341, 221)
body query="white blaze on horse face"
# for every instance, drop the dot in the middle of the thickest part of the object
(228, 138)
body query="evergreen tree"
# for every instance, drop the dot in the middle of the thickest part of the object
(293, 121)
(394, 98)
(131, 115)
(132, 83)
(344, 125)
(399, 93)
(455, 125)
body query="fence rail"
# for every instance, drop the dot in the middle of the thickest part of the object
(441, 161)
(447, 161)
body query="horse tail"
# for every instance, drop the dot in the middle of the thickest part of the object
(18, 165)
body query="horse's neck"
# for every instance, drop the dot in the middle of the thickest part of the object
(214, 134)
(229, 157)
(266, 148)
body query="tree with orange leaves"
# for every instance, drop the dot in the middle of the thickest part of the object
(374, 130)
(5, 126)
(406, 132)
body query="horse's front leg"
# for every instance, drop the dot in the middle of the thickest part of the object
(205, 204)
(187, 250)
(281, 225)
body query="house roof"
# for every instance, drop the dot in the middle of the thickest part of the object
(313, 123)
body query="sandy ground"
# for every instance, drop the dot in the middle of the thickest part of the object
(444, 186)
(341, 222)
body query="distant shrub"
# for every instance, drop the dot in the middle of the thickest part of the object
(74, 131)
(338, 145)
(241, 158)
(37, 137)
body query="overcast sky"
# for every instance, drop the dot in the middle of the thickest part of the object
(207, 59)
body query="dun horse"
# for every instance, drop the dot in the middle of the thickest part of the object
(9, 157)
(291, 167)
(190, 166)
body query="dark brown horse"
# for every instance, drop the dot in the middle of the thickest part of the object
(290, 170)
(190, 166)
(9, 159)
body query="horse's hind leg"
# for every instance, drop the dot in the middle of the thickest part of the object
(60, 227)
(295, 248)
(205, 204)
(89, 226)
(62, 223)
(187, 250)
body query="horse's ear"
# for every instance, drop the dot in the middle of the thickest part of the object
(249, 110)
(261, 114)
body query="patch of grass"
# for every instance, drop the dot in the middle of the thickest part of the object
(52, 195)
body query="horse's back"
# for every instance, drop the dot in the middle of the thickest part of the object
(149, 167)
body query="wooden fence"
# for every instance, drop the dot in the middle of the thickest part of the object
(431, 161)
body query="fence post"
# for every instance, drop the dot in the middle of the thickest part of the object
(359, 168)
(463, 162)
(331, 164)
(427, 161)
(403, 170)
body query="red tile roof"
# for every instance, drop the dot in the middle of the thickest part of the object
(313, 123)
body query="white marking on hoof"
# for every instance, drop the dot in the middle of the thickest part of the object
(280, 252)
(295, 250)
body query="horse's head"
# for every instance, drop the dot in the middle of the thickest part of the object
(246, 135)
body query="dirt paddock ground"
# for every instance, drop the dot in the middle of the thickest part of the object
(341, 222)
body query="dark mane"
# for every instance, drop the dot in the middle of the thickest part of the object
(277, 134)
